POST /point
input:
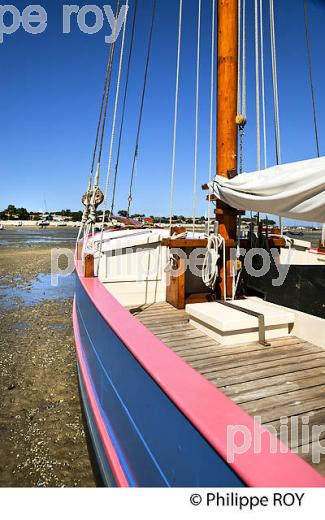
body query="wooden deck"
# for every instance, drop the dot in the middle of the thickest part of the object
(285, 379)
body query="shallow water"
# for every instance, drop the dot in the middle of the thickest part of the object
(20, 237)
(35, 291)
(28, 283)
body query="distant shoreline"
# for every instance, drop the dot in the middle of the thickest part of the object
(70, 225)
(34, 224)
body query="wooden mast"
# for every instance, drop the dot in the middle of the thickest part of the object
(226, 123)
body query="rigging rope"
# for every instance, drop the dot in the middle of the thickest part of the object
(211, 104)
(107, 82)
(113, 128)
(244, 61)
(257, 90)
(106, 106)
(124, 106)
(275, 92)
(311, 81)
(136, 150)
(275, 85)
(241, 118)
(172, 181)
(311, 76)
(263, 85)
(196, 112)
(241, 85)
(239, 60)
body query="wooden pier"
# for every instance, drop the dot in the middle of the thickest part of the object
(286, 379)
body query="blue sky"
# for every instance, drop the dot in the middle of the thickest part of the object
(51, 87)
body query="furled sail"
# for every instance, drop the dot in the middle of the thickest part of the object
(294, 190)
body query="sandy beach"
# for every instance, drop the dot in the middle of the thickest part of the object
(42, 440)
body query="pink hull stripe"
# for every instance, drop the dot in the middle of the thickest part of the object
(206, 407)
(111, 454)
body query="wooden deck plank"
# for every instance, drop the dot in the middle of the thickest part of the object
(268, 369)
(297, 436)
(190, 342)
(182, 325)
(264, 382)
(251, 354)
(170, 328)
(222, 363)
(285, 410)
(161, 312)
(276, 390)
(252, 347)
(286, 379)
(150, 306)
(184, 350)
(181, 334)
(201, 348)
(273, 408)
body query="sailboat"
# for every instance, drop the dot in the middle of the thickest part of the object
(176, 361)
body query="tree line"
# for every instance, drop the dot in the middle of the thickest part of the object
(11, 212)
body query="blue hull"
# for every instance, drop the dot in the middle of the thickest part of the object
(155, 443)
(156, 422)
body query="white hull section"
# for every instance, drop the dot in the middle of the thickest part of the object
(132, 268)
(132, 265)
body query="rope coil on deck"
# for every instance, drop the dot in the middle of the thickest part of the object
(210, 270)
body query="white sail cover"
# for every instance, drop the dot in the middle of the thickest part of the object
(294, 190)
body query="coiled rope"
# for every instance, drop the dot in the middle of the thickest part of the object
(210, 270)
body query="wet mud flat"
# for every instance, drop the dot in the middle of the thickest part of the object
(42, 439)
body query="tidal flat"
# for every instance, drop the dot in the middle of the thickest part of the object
(42, 438)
